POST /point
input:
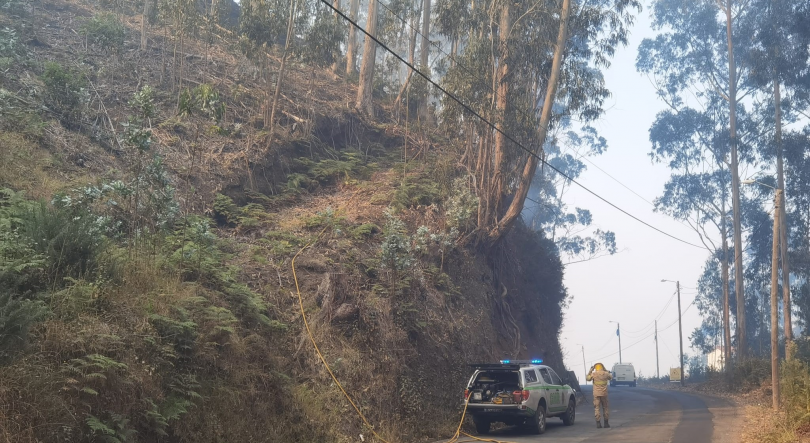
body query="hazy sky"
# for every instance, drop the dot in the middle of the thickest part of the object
(627, 287)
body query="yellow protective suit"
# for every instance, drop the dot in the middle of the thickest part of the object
(600, 379)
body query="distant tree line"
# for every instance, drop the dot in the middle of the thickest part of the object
(734, 77)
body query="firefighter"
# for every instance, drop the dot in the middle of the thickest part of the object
(600, 377)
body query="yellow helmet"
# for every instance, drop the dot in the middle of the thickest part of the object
(599, 367)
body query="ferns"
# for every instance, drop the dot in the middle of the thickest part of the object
(69, 241)
(113, 430)
(16, 318)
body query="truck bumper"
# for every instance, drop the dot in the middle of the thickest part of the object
(494, 412)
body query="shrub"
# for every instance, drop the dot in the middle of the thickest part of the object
(461, 206)
(180, 333)
(10, 43)
(66, 92)
(21, 266)
(105, 31)
(422, 192)
(16, 318)
(396, 246)
(19, 116)
(225, 211)
(69, 240)
(203, 100)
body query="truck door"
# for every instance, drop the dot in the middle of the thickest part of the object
(562, 401)
(552, 391)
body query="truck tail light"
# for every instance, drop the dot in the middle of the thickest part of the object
(525, 395)
(466, 394)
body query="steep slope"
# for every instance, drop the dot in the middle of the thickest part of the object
(157, 280)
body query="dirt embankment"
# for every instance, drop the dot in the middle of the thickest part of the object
(200, 338)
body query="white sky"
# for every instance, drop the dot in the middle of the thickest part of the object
(627, 287)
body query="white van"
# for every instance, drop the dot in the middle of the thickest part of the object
(623, 374)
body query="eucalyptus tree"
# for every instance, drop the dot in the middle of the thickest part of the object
(781, 58)
(694, 146)
(425, 53)
(351, 42)
(693, 59)
(571, 229)
(365, 88)
(797, 167)
(532, 63)
(184, 18)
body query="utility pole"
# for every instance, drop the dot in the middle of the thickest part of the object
(680, 331)
(584, 368)
(775, 300)
(657, 368)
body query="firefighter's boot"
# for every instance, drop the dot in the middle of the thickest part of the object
(599, 424)
(607, 425)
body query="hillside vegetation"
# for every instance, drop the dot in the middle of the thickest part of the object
(149, 215)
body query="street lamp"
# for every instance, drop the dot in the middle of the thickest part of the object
(584, 367)
(777, 215)
(618, 334)
(680, 326)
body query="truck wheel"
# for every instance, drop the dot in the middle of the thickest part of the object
(481, 426)
(570, 413)
(538, 424)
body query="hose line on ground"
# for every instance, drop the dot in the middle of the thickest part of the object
(454, 439)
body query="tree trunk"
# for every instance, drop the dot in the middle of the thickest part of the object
(351, 45)
(516, 207)
(144, 24)
(501, 87)
(280, 76)
(336, 64)
(780, 168)
(411, 56)
(725, 279)
(423, 57)
(739, 287)
(365, 103)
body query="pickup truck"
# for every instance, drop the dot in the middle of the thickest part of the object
(518, 393)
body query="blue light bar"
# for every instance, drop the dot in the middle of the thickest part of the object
(505, 362)
(537, 361)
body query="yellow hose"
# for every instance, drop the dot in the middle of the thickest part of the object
(454, 439)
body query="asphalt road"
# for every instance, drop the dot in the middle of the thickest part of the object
(639, 415)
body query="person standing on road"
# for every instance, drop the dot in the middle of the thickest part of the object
(600, 377)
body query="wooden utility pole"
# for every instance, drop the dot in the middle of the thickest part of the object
(680, 331)
(657, 368)
(783, 241)
(775, 301)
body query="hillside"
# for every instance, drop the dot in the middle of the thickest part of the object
(149, 223)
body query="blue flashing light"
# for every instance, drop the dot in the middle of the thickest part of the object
(506, 362)
(537, 361)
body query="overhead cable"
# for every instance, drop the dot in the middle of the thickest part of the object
(497, 129)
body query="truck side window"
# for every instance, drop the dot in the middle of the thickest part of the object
(530, 376)
(546, 377)
(556, 380)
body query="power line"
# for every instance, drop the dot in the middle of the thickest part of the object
(489, 87)
(645, 337)
(495, 128)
